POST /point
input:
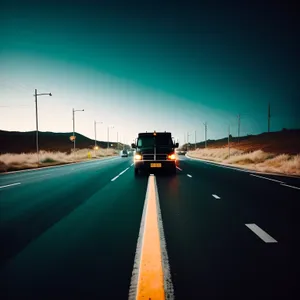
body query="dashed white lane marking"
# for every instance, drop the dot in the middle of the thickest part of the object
(123, 171)
(120, 174)
(291, 186)
(178, 168)
(261, 233)
(189, 175)
(8, 185)
(132, 164)
(115, 178)
(216, 196)
(267, 178)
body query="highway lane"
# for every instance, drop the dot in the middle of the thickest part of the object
(212, 253)
(74, 232)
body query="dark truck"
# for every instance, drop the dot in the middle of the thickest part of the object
(155, 150)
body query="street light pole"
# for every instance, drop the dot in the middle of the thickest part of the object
(118, 141)
(73, 130)
(205, 128)
(37, 126)
(239, 126)
(95, 133)
(74, 137)
(37, 122)
(95, 128)
(228, 140)
(108, 136)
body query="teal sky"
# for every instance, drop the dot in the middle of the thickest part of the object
(149, 66)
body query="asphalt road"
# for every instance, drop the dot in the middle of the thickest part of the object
(71, 232)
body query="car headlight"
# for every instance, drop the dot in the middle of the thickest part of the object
(138, 157)
(172, 156)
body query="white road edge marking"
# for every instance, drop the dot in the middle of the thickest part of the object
(168, 285)
(189, 175)
(261, 233)
(178, 168)
(291, 186)
(267, 178)
(4, 186)
(216, 196)
(217, 164)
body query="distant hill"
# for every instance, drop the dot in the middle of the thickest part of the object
(285, 141)
(24, 142)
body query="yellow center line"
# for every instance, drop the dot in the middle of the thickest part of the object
(151, 278)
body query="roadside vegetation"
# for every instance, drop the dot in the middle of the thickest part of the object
(13, 162)
(256, 160)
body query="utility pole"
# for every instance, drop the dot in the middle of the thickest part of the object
(118, 141)
(239, 126)
(269, 117)
(37, 127)
(95, 134)
(205, 130)
(228, 140)
(73, 111)
(73, 129)
(37, 122)
(107, 138)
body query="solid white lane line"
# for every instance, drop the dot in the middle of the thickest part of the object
(178, 168)
(291, 186)
(115, 178)
(261, 233)
(267, 178)
(189, 175)
(5, 186)
(216, 196)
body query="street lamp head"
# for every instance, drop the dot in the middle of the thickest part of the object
(50, 94)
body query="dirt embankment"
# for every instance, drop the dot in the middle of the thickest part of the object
(14, 162)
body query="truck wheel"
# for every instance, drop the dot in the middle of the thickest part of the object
(173, 170)
(136, 171)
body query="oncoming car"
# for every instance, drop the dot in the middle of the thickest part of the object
(124, 153)
(155, 150)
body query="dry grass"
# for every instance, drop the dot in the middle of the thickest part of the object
(257, 160)
(10, 161)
